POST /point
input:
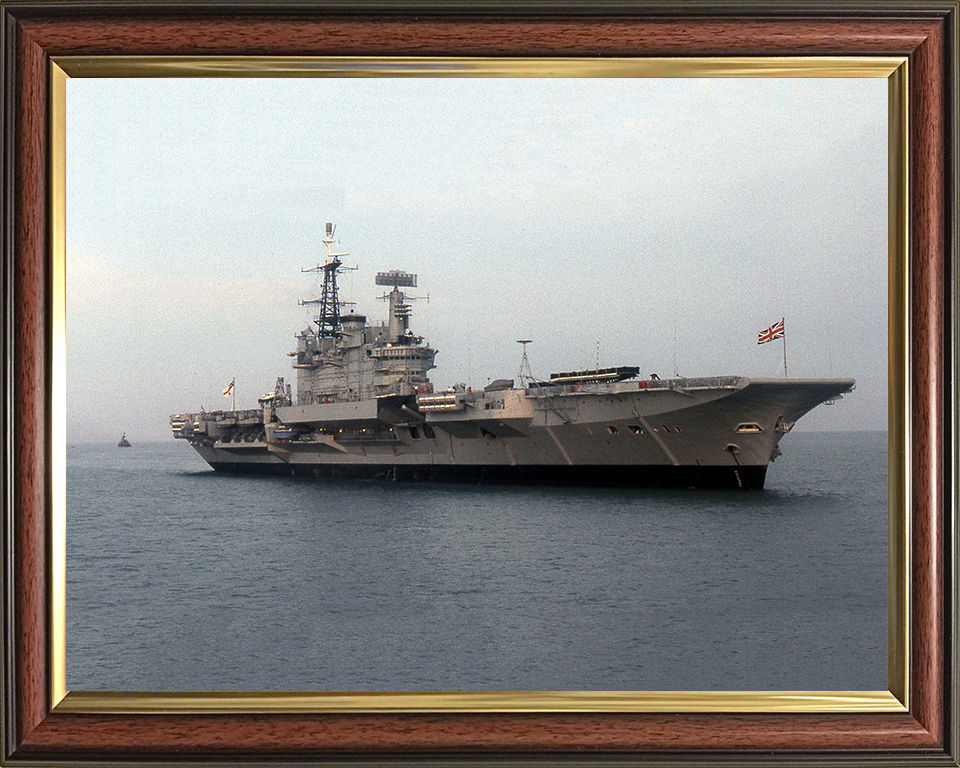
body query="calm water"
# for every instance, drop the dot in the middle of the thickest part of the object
(182, 579)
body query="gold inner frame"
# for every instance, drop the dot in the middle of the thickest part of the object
(894, 69)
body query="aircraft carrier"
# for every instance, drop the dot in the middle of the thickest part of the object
(365, 408)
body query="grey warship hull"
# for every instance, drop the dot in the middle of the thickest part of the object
(718, 432)
(366, 408)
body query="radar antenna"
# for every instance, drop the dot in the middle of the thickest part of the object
(396, 278)
(399, 301)
(328, 319)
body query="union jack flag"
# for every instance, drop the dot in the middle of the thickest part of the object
(775, 331)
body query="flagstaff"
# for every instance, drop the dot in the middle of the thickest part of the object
(231, 391)
(784, 337)
(775, 331)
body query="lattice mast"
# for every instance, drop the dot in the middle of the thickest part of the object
(328, 318)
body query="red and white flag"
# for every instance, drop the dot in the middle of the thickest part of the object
(229, 389)
(775, 331)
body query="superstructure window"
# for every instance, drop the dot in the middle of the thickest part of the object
(428, 432)
(635, 428)
(749, 428)
(414, 433)
(612, 430)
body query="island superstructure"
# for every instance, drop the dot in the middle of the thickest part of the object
(365, 408)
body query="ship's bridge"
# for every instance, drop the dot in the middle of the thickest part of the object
(345, 359)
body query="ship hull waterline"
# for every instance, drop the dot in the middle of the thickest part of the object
(719, 433)
(651, 476)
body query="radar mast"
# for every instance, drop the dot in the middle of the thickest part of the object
(399, 301)
(328, 319)
(525, 377)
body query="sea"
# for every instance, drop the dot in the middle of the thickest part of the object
(183, 579)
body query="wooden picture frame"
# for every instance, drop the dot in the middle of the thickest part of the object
(38, 731)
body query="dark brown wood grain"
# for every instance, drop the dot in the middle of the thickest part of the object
(927, 262)
(442, 36)
(30, 371)
(437, 733)
(919, 736)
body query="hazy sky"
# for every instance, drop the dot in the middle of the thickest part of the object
(672, 219)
